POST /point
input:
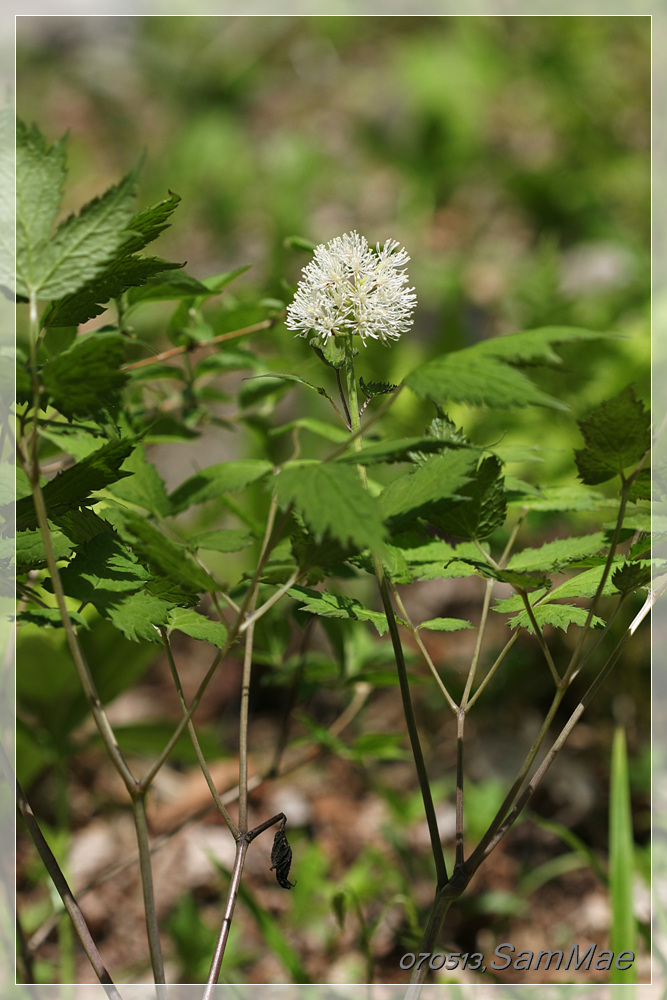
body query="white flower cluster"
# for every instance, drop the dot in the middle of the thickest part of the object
(348, 288)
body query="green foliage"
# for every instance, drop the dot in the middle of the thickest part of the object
(489, 374)
(337, 606)
(332, 502)
(49, 267)
(617, 434)
(211, 483)
(72, 488)
(432, 487)
(139, 561)
(86, 378)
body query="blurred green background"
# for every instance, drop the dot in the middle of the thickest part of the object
(511, 157)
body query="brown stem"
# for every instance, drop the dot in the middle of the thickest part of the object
(61, 884)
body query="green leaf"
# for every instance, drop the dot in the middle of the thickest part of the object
(81, 525)
(101, 569)
(517, 579)
(87, 377)
(222, 540)
(445, 624)
(50, 618)
(337, 606)
(371, 389)
(40, 175)
(440, 479)
(566, 498)
(533, 347)
(169, 286)
(438, 559)
(30, 552)
(287, 377)
(171, 558)
(559, 615)
(632, 576)
(331, 353)
(144, 487)
(147, 224)
(331, 432)
(81, 246)
(72, 488)
(640, 487)
(399, 450)
(584, 584)
(484, 508)
(197, 626)
(560, 552)
(477, 380)
(138, 615)
(617, 434)
(485, 374)
(332, 501)
(216, 479)
(117, 277)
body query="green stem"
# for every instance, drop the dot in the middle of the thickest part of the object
(478, 644)
(444, 897)
(152, 930)
(408, 711)
(193, 737)
(422, 648)
(223, 935)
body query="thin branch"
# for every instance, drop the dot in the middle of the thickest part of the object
(413, 731)
(460, 724)
(231, 638)
(361, 694)
(499, 659)
(187, 348)
(478, 644)
(414, 631)
(404, 684)
(234, 830)
(150, 910)
(576, 656)
(61, 884)
(539, 636)
(343, 400)
(232, 895)
(275, 597)
(556, 747)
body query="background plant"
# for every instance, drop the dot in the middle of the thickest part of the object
(189, 403)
